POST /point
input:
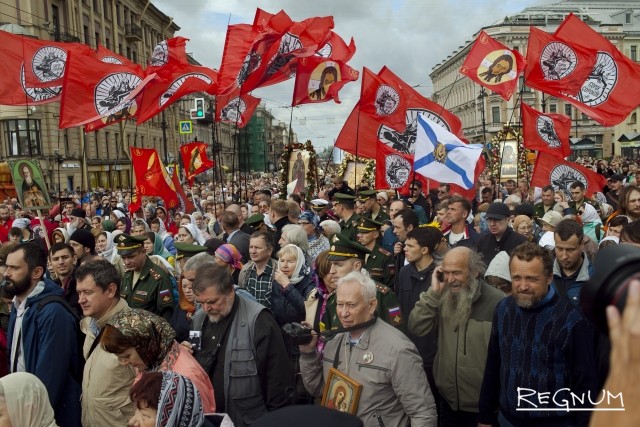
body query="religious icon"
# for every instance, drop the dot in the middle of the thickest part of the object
(341, 392)
(298, 166)
(509, 160)
(30, 186)
(329, 74)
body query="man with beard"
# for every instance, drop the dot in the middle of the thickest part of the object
(540, 345)
(460, 304)
(241, 349)
(42, 332)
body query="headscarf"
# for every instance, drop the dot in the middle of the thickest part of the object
(230, 255)
(301, 269)
(195, 233)
(162, 230)
(159, 249)
(110, 250)
(118, 213)
(108, 225)
(152, 335)
(27, 400)
(311, 218)
(64, 233)
(590, 215)
(179, 403)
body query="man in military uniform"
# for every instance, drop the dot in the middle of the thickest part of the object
(144, 285)
(320, 206)
(257, 222)
(346, 256)
(344, 208)
(372, 208)
(184, 251)
(380, 263)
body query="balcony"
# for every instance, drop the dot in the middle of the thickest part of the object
(133, 33)
(66, 37)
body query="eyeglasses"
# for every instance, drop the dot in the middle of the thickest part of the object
(303, 223)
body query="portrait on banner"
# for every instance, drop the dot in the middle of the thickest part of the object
(324, 75)
(298, 167)
(509, 160)
(29, 182)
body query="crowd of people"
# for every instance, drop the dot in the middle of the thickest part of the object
(428, 309)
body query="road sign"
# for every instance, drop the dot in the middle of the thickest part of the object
(186, 127)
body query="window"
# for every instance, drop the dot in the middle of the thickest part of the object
(106, 9)
(627, 18)
(97, 39)
(95, 143)
(567, 109)
(128, 52)
(118, 15)
(634, 53)
(584, 116)
(96, 6)
(23, 137)
(55, 17)
(86, 35)
(120, 48)
(106, 144)
(495, 115)
(553, 108)
(633, 119)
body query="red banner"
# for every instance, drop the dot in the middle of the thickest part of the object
(553, 65)
(152, 178)
(611, 91)
(99, 94)
(236, 108)
(493, 65)
(185, 203)
(106, 55)
(383, 100)
(546, 132)
(168, 54)
(319, 80)
(551, 170)
(335, 47)
(194, 159)
(360, 132)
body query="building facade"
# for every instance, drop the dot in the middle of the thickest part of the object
(483, 113)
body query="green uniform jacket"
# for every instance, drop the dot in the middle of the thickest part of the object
(381, 217)
(349, 228)
(153, 291)
(381, 265)
(388, 309)
(538, 209)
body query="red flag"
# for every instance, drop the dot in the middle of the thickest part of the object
(319, 80)
(246, 46)
(493, 65)
(551, 170)
(185, 204)
(383, 100)
(168, 54)
(335, 47)
(546, 132)
(360, 132)
(395, 170)
(168, 87)
(554, 65)
(152, 178)
(194, 159)
(611, 91)
(99, 94)
(236, 108)
(303, 39)
(136, 202)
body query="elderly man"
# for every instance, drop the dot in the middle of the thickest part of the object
(242, 349)
(540, 345)
(394, 387)
(460, 304)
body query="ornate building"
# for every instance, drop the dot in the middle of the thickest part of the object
(484, 113)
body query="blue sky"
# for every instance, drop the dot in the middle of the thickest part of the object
(408, 36)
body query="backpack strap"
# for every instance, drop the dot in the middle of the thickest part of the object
(56, 298)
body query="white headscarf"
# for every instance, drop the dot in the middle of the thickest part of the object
(590, 214)
(301, 269)
(110, 250)
(195, 233)
(27, 400)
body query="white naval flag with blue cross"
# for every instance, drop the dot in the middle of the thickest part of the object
(441, 156)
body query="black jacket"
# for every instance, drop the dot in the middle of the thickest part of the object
(470, 241)
(412, 283)
(489, 247)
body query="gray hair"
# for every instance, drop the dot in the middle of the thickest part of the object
(212, 276)
(296, 235)
(362, 278)
(477, 266)
(330, 226)
(197, 261)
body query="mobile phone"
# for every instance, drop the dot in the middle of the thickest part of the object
(440, 276)
(195, 340)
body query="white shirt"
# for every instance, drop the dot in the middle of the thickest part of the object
(16, 347)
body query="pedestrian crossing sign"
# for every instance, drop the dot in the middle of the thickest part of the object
(186, 127)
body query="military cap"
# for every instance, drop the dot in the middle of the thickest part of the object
(366, 195)
(187, 250)
(341, 197)
(255, 220)
(368, 224)
(342, 249)
(127, 244)
(318, 204)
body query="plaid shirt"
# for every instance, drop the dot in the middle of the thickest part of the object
(260, 286)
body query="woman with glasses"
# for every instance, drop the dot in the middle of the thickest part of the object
(523, 225)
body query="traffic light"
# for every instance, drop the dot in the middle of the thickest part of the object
(199, 108)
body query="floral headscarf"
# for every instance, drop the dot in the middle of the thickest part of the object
(179, 403)
(152, 335)
(311, 218)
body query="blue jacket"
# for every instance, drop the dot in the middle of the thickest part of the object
(287, 305)
(49, 338)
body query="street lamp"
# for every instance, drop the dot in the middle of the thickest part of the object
(481, 97)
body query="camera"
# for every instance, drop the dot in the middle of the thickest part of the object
(615, 267)
(195, 338)
(297, 333)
